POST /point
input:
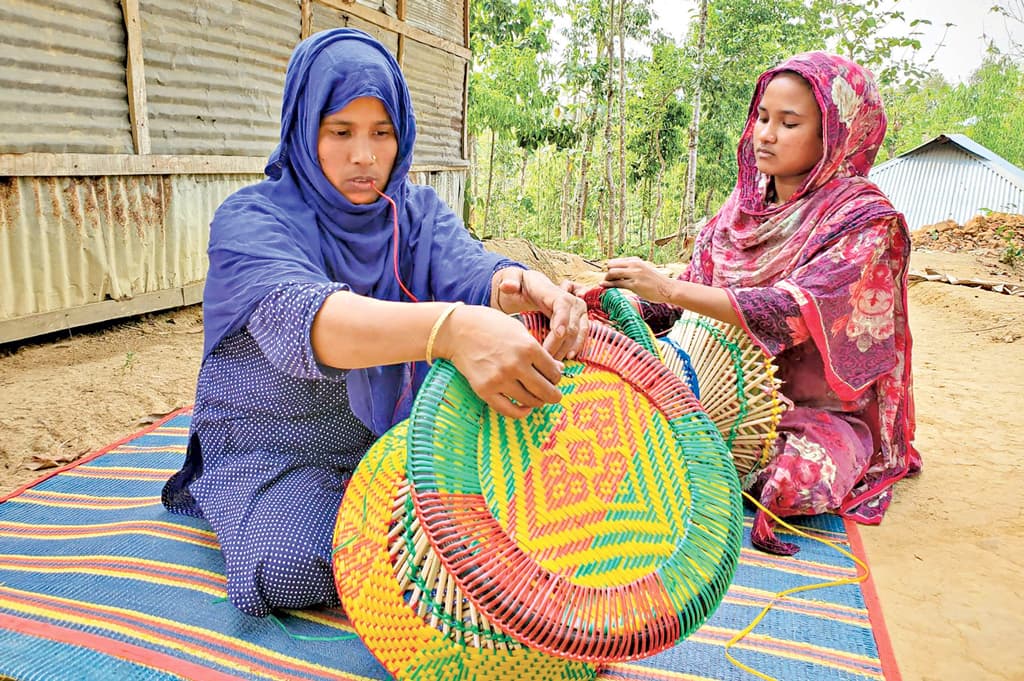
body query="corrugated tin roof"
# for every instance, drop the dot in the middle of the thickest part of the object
(950, 177)
(993, 159)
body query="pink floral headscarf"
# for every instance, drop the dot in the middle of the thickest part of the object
(836, 219)
(764, 240)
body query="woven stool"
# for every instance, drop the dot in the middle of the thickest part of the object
(605, 527)
(409, 614)
(736, 384)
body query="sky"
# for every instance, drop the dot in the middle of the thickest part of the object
(960, 54)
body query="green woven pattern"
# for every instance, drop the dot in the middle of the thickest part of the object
(625, 318)
(406, 610)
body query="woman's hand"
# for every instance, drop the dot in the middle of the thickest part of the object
(506, 367)
(521, 290)
(640, 277)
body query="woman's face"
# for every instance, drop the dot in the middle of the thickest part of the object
(787, 133)
(357, 147)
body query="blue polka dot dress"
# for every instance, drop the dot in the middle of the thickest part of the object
(272, 446)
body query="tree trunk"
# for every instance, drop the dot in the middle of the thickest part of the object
(622, 120)
(522, 173)
(691, 167)
(659, 196)
(521, 194)
(609, 172)
(583, 197)
(490, 185)
(565, 218)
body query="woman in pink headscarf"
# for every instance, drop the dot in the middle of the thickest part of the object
(810, 259)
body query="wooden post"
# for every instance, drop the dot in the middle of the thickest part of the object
(466, 152)
(135, 71)
(400, 12)
(306, 29)
(465, 113)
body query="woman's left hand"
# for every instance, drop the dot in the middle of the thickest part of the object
(526, 290)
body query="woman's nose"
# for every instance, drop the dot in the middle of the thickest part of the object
(362, 152)
(766, 133)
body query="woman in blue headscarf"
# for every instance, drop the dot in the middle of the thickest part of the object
(330, 282)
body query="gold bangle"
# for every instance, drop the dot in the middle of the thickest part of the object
(437, 327)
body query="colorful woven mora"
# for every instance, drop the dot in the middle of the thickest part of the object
(407, 611)
(736, 385)
(605, 527)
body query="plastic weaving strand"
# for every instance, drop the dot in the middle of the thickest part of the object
(679, 361)
(605, 527)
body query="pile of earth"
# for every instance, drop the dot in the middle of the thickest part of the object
(996, 238)
(559, 265)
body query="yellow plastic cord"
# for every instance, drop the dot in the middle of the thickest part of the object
(788, 592)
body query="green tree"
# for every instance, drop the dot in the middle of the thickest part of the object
(985, 109)
(658, 143)
(883, 40)
(508, 85)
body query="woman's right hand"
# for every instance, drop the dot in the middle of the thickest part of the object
(506, 367)
(640, 277)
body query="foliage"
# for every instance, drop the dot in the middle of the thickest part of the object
(858, 30)
(1012, 12)
(544, 103)
(985, 109)
(1013, 253)
(507, 89)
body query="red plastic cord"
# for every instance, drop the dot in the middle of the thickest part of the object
(411, 368)
(394, 212)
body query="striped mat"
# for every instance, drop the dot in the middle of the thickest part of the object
(98, 581)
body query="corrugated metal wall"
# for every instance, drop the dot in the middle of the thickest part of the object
(445, 18)
(214, 72)
(62, 79)
(944, 182)
(127, 237)
(450, 186)
(389, 7)
(436, 83)
(327, 17)
(66, 242)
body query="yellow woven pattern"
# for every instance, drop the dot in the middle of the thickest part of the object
(403, 642)
(568, 485)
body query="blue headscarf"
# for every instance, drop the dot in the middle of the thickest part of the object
(295, 227)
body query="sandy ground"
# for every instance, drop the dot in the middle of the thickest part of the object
(948, 560)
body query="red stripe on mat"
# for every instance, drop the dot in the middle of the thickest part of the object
(886, 656)
(90, 457)
(118, 649)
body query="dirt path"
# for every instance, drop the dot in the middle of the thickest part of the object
(948, 558)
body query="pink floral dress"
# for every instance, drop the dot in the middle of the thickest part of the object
(820, 283)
